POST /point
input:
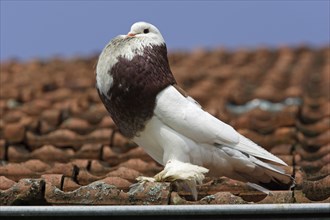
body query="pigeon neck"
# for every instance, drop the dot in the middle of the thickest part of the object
(136, 83)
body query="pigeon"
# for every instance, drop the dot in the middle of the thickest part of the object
(136, 85)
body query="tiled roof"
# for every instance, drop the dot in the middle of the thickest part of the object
(58, 146)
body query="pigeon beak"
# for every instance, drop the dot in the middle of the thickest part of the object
(130, 34)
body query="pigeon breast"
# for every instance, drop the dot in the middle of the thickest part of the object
(135, 82)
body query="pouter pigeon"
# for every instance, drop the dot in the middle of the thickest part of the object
(137, 87)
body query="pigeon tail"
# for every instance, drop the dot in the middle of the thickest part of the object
(273, 178)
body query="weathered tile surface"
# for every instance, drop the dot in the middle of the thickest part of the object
(58, 146)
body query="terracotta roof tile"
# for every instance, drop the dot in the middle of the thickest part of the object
(54, 179)
(17, 153)
(101, 193)
(89, 151)
(125, 173)
(14, 132)
(25, 191)
(37, 166)
(120, 183)
(84, 177)
(6, 183)
(69, 185)
(77, 125)
(52, 153)
(3, 149)
(58, 144)
(317, 190)
(98, 167)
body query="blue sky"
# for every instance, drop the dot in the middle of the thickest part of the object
(43, 29)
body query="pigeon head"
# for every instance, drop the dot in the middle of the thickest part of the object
(141, 37)
(146, 32)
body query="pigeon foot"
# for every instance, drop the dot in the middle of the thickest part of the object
(185, 175)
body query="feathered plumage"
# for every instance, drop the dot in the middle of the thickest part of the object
(138, 89)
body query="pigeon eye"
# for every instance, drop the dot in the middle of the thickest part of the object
(146, 31)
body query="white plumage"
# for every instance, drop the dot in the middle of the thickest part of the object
(181, 131)
(189, 141)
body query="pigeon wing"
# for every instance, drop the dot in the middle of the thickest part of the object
(186, 117)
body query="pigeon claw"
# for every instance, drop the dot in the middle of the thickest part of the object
(185, 175)
(139, 186)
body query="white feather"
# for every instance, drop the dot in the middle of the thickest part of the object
(181, 131)
(260, 188)
(247, 146)
(185, 117)
(173, 171)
